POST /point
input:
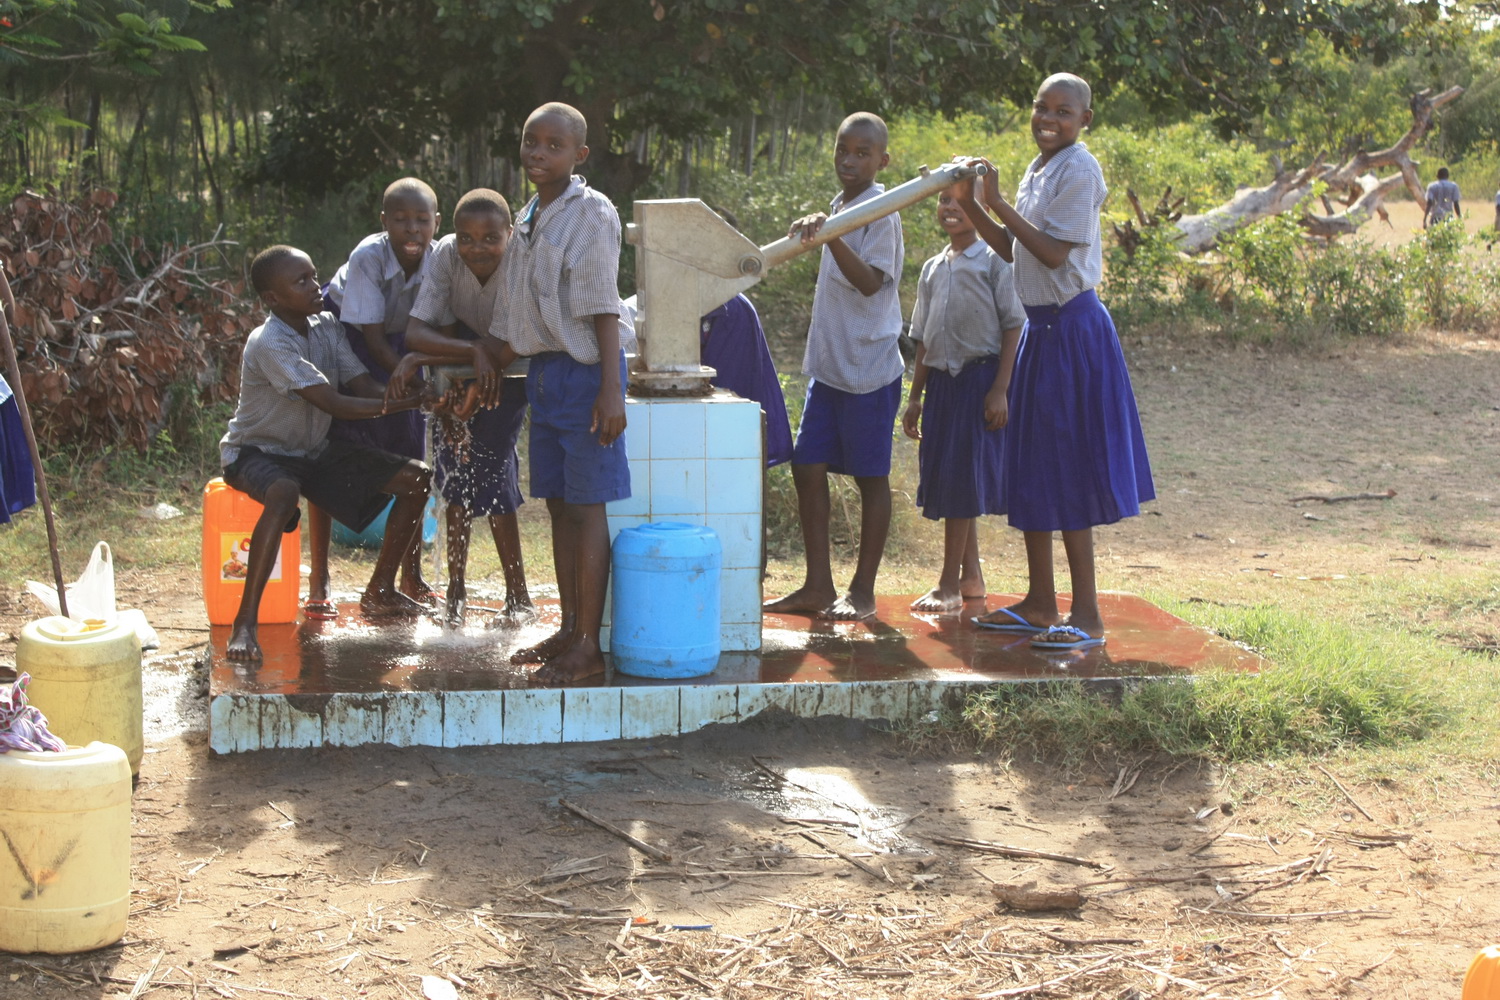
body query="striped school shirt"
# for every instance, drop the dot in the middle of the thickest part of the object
(371, 287)
(560, 272)
(451, 294)
(1061, 198)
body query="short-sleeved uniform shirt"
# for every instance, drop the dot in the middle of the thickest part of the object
(277, 362)
(372, 288)
(964, 301)
(1062, 198)
(852, 339)
(560, 271)
(1442, 199)
(451, 294)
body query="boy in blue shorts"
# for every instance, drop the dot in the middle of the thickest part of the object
(855, 389)
(562, 308)
(277, 448)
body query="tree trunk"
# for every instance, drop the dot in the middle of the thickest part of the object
(1354, 180)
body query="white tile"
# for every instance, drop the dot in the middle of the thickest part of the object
(888, 700)
(533, 716)
(756, 698)
(677, 489)
(740, 596)
(733, 486)
(677, 429)
(354, 720)
(733, 429)
(705, 705)
(282, 725)
(647, 712)
(473, 718)
(637, 429)
(739, 637)
(234, 723)
(590, 714)
(638, 504)
(413, 719)
(814, 700)
(619, 522)
(739, 539)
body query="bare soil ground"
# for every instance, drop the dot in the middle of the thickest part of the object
(804, 857)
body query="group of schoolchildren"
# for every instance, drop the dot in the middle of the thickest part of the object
(1021, 399)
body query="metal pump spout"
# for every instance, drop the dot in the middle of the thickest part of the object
(689, 262)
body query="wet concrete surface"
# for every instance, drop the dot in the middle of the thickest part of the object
(355, 655)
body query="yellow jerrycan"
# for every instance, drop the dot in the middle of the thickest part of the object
(86, 679)
(65, 856)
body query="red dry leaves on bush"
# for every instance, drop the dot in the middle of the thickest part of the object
(106, 333)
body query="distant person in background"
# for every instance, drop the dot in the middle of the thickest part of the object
(1497, 211)
(1442, 200)
(17, 474)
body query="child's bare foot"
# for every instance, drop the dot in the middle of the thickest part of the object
(939, 599)
(454, 608)
(802, 601)
(385, 603)
(972, 588)
(547, 649)
(517, 611)
(579, 662)
(849, 608)
(1094, 626)
(418, 590)
(322, 610)
(243, 645)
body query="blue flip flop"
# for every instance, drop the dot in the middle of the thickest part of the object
(1065, 637)
(1019, 625)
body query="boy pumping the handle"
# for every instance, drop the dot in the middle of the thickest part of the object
(855, 389)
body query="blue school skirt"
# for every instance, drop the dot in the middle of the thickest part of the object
(489, 482)
(960, 464)
(1075, 454)
(17, 474)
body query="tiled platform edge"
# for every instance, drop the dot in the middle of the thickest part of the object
(241, 722)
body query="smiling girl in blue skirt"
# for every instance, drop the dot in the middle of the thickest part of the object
(1075, 457)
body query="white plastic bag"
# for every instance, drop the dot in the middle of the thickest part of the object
(92, 596)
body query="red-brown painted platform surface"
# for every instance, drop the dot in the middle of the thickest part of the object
(353, 655)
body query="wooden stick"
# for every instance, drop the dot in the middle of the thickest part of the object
(1295, 916)
(1352, 800)
(1005, 850)
(638, 844)
(13, 373)
(879, 873)
(1344, 498)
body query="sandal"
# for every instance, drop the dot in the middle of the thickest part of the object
(1018, 624)
(1065, 637)
(320, 611)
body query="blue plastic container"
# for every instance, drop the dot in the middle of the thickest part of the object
(664, 621)
(372, 536)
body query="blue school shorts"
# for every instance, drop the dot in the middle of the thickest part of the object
(847, 431)
(567, 460)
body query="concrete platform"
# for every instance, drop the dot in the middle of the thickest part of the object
(351, 682)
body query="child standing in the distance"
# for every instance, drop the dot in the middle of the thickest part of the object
(277, 447)
(967, 323)
(1075, 455)
(855, 389)
(562, 309)
(372, 295)
(450, 323)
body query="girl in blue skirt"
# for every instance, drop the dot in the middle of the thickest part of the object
(1075, 457)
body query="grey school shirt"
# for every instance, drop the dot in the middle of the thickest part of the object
(1442, 199)
(851, 341)
(1062, 198)
(964, 302)
(450, 293)
(560, 272)
(371, 287)
(277, 362)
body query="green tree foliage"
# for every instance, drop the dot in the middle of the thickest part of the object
(678, 68)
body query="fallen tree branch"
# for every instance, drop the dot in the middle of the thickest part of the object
(607, 827)
(1343, 498)
(1006, 850)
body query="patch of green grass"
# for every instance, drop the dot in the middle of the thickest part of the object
(1329, 687)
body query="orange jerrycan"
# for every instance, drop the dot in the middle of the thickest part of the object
(229, 518)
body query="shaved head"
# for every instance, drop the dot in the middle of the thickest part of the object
(868, 122)
(1077, 84)
(483, 200)
(578, 126)
(409, 189)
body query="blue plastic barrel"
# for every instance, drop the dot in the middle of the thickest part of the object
(372, 536)
(664, 621)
